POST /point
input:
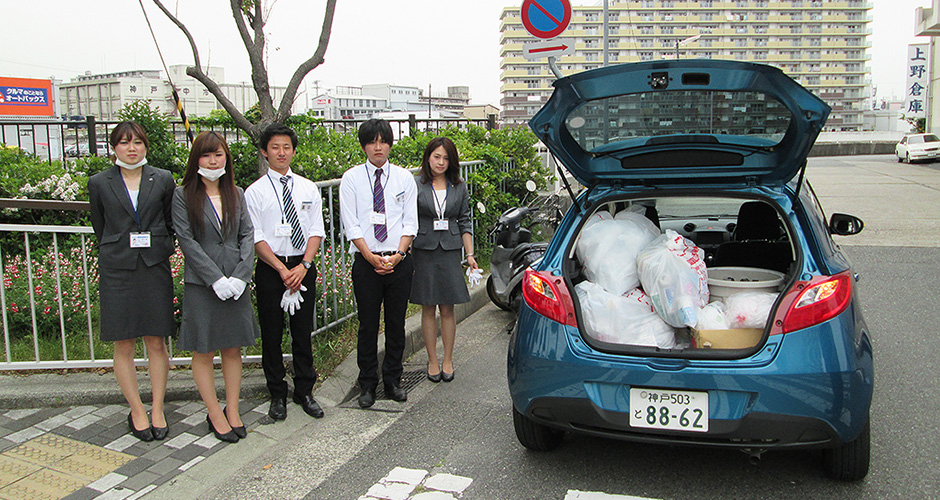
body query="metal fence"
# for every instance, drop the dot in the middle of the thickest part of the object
(61, 140)
(49, 295)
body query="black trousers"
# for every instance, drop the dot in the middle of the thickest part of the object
(372, 290)
(270, 289)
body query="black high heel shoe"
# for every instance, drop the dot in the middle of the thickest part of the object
(241, 432)
(159, 433)
(144, 435)
(435, 378)
(228, 437)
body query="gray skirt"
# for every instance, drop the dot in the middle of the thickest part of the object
(136, 303)
(438, 278)
(210, 324)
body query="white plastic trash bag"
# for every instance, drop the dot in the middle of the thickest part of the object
(597, 217)
(673, 274)
(622, 319)
(749, 309)
(608, 248)
(713, 317)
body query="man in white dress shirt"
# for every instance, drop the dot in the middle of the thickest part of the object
(378, 205)
(285, 210)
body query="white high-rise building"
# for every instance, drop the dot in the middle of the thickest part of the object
(823, 44)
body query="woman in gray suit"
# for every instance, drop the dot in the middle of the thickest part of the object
(130, 213)
(217, 239)
(444, 226)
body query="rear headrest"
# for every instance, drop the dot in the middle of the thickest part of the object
(757, 221)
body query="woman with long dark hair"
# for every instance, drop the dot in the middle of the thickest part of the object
(217, 239)
(444, 227)
(130, 213)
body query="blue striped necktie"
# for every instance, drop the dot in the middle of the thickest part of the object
(296, 234)
(378, 206)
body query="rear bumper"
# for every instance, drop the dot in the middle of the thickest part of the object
(808, 388)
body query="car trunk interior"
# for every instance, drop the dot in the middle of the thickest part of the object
(624, 264)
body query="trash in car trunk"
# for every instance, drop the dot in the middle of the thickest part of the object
(679, 273)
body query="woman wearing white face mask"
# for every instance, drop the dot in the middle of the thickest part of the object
(217, 239)
(130, 213)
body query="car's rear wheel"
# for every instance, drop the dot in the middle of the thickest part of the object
(850, 461)
(900, 159)
(533, 435)
(491, 292)
(907, 156)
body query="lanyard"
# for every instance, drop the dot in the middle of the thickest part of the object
(441, 205)
(279, 195)
(136, 206)
(215, 211)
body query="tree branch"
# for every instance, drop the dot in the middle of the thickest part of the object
(317, 59)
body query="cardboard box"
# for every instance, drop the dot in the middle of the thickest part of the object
(734, 338)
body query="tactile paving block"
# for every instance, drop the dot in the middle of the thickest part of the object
(45, 450)
(91, 462)
(42, 485)
(12, 470)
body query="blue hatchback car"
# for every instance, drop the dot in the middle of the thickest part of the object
(716, 152)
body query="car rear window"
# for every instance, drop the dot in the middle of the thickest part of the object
(682, 116)
(920, 139)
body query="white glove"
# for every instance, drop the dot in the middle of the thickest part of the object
(238, 286)
(290, 301)
(223, 288)
(474, 276)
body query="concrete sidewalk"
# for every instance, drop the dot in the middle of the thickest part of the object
(76, 425)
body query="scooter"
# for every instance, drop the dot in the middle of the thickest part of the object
(513, 252)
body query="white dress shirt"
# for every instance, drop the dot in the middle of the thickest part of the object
(264, 199)
(401, 205)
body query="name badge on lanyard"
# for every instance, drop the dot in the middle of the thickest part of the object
(377, 219)
(441, 224)
(282, 230)
(140, 240)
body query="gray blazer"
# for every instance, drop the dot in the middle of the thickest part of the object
(113, 219)
(456, 210)
(213, 255)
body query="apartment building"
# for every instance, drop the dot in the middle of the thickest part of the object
(823, 44)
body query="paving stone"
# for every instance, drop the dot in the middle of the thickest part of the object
(122, 443)
(158, 453)
(168, 476)
(83, 421)
(207, 441)
(194, 419)
(390, 491)
(108, 481)
(6, 445)
(433, 495)
(24, 435)
(116, 493)
(181, 440)
(83, 434)
(135, 466)
(142, 492)
(79, 411)
(188, 453)
(5, 432)
(166, 465)
(406, 476)
(53, 422)
(18, 414)
(191, 463)
(83, 494)
(140, 480)
(448, 482)
(110, 410)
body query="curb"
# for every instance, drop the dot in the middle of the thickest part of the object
(43, 390)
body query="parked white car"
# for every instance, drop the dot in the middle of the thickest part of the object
(918, 147)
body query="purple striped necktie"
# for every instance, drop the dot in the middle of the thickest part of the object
(378, 206)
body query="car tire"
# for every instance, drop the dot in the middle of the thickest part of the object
(900, 159)
(533, 435)
(491, 292)
(849, 461)
(907, 157)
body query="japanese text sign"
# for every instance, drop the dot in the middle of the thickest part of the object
(25, 97)
(918, 78)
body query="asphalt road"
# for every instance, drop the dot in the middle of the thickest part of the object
(465, 428)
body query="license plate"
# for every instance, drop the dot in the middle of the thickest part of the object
(668, 409)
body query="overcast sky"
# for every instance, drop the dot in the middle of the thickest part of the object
(413, 42)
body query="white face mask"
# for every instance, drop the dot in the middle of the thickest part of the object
(211, 174)
(128, 166)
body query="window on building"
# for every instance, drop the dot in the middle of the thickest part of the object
(706, 16)
(760, 55)
(646, 56)
(666, 42)
(740, 55)
(532, 84)
(762, 4)
(646, 42)
(760, 16)
(796, 16)
(815, 28)
(669, 4)
(760, 29)
(814, 54)
(591, 17)
(705, 3)
(666, 30)
(741, 4)
(796, 42)
(704, 42)
(646, 16)
(646, 30)
(814, 42)
(591, 44)
(796, 29)
(613, 56)
(590, 56)
(740, 42)
(760, 42)
(590, 30)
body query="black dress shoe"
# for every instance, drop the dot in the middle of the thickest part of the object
(278, 409)
(367, 398)
(435, 378)
(144, 435)
(310, 405)
(241, 432)
(396, 393)
(228, 437)
(159, 433)
(447, 377)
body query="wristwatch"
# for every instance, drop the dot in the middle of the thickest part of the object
(306, 264)
(399, 252)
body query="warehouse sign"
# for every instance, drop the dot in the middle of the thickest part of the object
(25, 97)
(918, 78)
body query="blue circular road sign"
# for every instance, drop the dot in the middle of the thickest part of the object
(546, 18)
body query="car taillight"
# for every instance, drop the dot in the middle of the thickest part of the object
(812, 302)
(548, 295)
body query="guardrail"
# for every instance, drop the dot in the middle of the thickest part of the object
(49, 298)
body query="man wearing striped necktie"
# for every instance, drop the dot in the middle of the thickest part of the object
(286, 212)
(378, 206)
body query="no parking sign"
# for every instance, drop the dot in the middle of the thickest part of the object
(546, 18)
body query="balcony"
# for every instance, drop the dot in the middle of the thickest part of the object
(927, 22)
